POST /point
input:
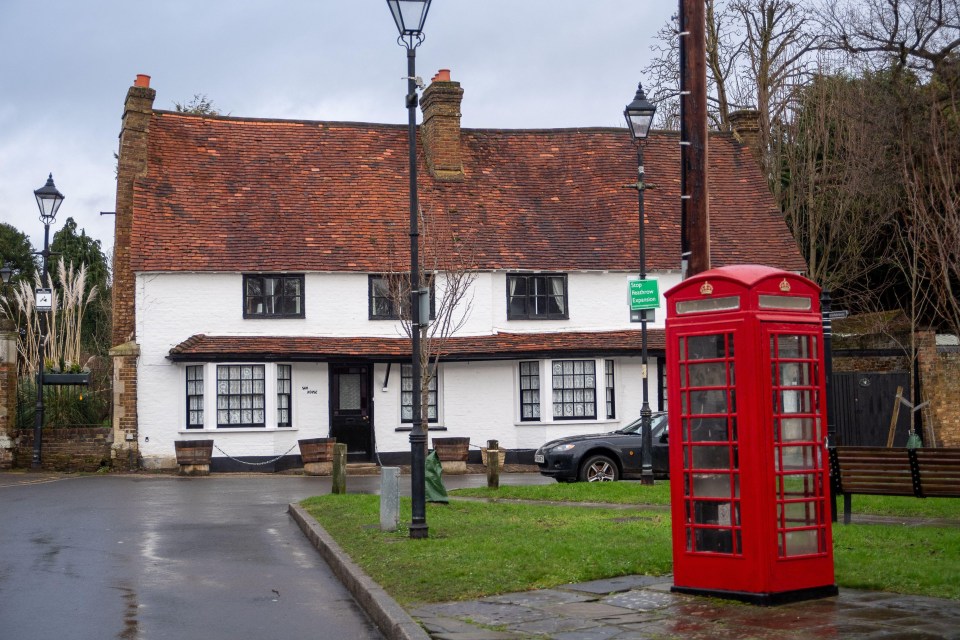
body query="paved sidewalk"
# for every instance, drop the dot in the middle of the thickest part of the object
(643, 607)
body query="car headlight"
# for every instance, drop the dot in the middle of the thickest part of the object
(562, 447)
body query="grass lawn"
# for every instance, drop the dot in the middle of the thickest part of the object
(484, 548)
(659, 494)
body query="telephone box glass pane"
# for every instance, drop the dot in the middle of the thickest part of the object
(711, 478)
(798, 450)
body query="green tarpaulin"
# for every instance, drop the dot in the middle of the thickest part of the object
(435, 491)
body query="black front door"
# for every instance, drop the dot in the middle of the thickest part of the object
(351, 410)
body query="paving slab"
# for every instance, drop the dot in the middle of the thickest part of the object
(644, 607)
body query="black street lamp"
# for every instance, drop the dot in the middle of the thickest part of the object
(49, 200)
(6, 272)
(639, 115)
(410, 16)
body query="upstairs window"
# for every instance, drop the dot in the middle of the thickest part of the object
(385, 291)
(272, 296)
(537, 297)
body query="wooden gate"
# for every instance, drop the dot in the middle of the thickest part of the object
(863, 408)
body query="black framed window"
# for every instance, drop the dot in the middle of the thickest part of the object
(284, 394)
(195, 397)
(384, 290)
(609, 387)
(574, 389)
(530, 391)
(406, 395)
(536, 296)
(273, 296)
(241, 395)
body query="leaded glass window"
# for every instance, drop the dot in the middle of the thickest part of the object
(240, 395)
(574, 389)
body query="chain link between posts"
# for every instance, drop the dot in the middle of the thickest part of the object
(255, 464)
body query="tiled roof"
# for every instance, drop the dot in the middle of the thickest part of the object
(235, 194)
(492, 347)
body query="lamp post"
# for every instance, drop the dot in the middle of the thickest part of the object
(639, 116)
(6, 272)
(410, 16)
(49, 200)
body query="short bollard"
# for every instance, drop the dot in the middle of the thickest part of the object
(389, 498)
(493, 464)
(339, 468)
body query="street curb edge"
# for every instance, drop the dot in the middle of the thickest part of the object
(391, 619)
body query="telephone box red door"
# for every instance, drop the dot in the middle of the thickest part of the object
(748, 464)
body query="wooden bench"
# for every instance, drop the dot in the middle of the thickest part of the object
(924, 473)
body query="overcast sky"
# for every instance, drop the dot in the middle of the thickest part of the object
(66, 65)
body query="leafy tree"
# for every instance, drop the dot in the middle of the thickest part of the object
(199, 104)
(15, 248)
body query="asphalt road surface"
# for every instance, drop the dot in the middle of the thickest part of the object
(154, 557)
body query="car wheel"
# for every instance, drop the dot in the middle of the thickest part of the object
(599, 469)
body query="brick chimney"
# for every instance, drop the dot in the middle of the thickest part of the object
(745, 125)
(440, 131)
(131, 165)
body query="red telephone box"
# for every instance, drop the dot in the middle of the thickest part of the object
(748, 458)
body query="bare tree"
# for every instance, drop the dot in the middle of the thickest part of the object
(839, 190)
(448, 272)
(778, 43)
(759, 52)
(921, 35)
(931, 175)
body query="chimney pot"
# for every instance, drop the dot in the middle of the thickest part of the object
(143, 80)
(442, 76)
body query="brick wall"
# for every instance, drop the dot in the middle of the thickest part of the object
(63, 449)
(8, 392)
(940, 372)
(125, 450)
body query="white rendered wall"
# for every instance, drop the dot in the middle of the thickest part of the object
(477, 399)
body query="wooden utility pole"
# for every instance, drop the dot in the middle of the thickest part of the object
(694, 209)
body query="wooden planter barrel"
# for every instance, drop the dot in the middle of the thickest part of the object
(317, 455)
(193, 456)
(452, 453)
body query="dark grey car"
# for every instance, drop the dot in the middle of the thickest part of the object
(604, 457)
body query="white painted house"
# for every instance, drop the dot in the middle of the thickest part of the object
(250, 256)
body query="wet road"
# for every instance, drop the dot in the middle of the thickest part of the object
(149, 557)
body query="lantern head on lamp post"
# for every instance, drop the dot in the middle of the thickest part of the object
(410, 16)
(639, 115)
(6, 272)
(49, 200)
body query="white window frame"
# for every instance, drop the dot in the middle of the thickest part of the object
(431, 424)
(210, 418)
(547, 417)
